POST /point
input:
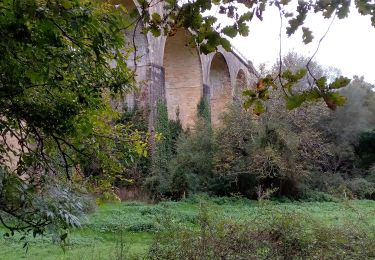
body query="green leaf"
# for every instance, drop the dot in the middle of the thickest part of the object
(67, 4)
(321, 82)
(307, 36)
(258, 108)
(243, 29)
(285, 2)
(268, 81)
(249, 93)
(206, 48)
(230, 31)
(155, 31)
(300, 74)
(287, 75)
(264, 94)
(225, 44)
(334, 99)
(248, 103)
(287, 15)
(312, 95)
(295, 101)
(344, 10)
(246, 17)
(156, 18)
(34, 76)
(339, 82)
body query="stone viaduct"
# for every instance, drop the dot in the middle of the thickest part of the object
(168, 68)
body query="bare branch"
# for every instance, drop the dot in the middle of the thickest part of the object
(317, 49)
(280, 49)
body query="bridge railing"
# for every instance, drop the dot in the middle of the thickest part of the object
(241, 56)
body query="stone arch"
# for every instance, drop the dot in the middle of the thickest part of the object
(241, 83)
(183, 78)
(220, 87)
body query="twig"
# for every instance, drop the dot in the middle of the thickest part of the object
(134, 45)
(280, 49)
(317, 49)
(64, 155)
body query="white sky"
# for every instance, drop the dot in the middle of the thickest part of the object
(348, 46)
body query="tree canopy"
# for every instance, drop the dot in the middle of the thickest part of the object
(60, 61)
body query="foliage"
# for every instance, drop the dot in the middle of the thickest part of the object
(330, 136)
(273, 234)
(139, 166)
(355, 117)
(362, 188)
(232, 163)
(49, 92)
(59, 61)
(191, 167)
(301, 81)
(305, 153)
(277, 151)
(101, 231)
(208, 34)
(371, 174)
(366, 149)
(250, 156)
(181, 161)
(123, 157)
(318, 196)
(27, 208)
(159, 182)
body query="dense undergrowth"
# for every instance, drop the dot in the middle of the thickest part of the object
(213, 228)
(305, 154)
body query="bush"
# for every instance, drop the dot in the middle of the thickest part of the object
(371, 174)
(269, 151)
(281, 154)
(361, 188)
(49, 207)
(191, 167)
(365, 149)
(159, 182)
(107, 196)
(318, 196)
(274, 235)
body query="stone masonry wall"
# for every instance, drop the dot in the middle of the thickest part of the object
(183, 78)
(169, 70)
(221, 88)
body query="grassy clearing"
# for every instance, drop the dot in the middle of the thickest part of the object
(116, 229)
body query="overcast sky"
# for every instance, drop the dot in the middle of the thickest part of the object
(349, 45)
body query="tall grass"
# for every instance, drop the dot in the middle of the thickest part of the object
(206, 228)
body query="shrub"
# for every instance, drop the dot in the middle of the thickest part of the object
(159, 181)
(318, 196)
(191, 167)
(274, 234)
(365, 149)
(266, 151)
(371, 174)
(49, 207)
(235, 145)
(361, 188)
